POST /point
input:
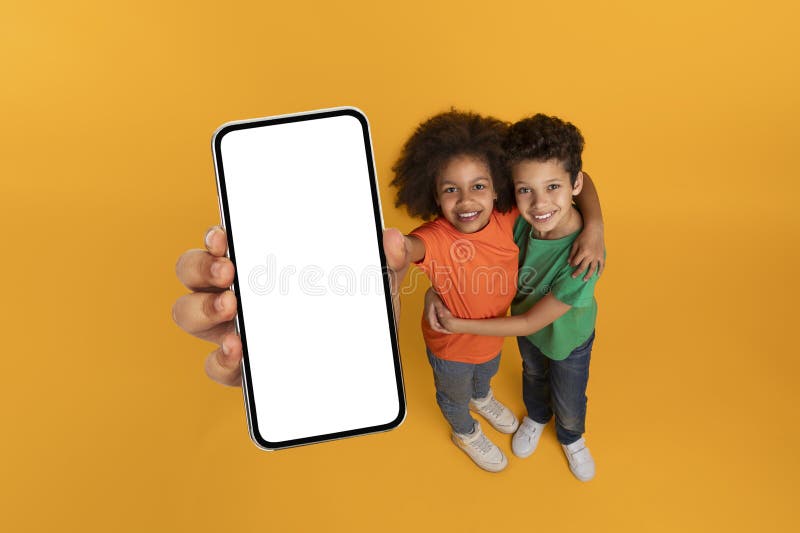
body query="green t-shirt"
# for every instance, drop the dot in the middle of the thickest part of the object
(543, 268)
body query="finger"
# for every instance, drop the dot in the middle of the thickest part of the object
(433, 319)
(216, 241)
(578, 256)
(602, 267)
(431, 315)
(224, 365)
(394, 247)
(436, 325)
(440, 327)
(572, 253)
(591, 271)
(198, 270)
(205, 315)
(580, 268)
(445, 330)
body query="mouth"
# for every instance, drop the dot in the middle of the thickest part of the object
(468, 216)
(543, 217)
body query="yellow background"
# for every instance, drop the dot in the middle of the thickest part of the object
(690, 111)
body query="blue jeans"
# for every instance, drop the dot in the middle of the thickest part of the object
(457, 383)
(550, 386)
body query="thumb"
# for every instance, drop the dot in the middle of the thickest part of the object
(394, 246)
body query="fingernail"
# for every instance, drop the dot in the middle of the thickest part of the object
(208, 236)
(216, 269)
(218, 305)
(225, 349)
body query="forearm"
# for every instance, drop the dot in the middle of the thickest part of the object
(510, 326)
(415, 248)
(588, 203)
(543, 313)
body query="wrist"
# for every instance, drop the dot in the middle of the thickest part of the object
(455, 325)
(593, 227)
(595, 222)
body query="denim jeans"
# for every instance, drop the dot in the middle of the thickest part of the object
(550, 386)
(457, 383)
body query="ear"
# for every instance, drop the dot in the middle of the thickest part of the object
(576, 189)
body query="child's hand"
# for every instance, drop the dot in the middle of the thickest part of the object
(395, 247)
(397, 257)
(447, 320)
(588, 252)
(208, 311)
(433, 306)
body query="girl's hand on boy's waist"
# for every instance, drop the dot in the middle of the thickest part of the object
(433, 306)
(448, 321)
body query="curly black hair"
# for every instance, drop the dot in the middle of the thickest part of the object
(431, 147)
(541, 138)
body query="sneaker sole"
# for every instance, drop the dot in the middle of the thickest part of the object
(493, 470)
(581, 479)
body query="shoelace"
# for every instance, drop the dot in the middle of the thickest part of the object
(483, 444)
(493, 408)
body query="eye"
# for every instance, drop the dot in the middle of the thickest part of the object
(553, 186)
(449, 189)
(480, 187)
(524, 190)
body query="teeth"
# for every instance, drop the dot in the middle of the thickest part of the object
(543, 217)
(468, 215)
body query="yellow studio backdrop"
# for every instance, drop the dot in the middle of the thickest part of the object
(690, 111)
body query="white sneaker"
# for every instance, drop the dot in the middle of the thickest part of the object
(481, 450)
(580, 460)
(525, 440)
(499, 416)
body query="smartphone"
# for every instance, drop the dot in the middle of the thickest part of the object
(299, 200)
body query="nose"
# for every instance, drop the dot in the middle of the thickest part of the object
(464, 195)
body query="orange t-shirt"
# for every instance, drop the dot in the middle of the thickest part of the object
(476, 276)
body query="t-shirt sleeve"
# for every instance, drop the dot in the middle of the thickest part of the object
(430, 234)
(573, 291)
(521, 231)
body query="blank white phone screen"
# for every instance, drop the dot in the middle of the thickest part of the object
(299, 201)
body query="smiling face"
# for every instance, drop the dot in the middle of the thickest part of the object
(465, 193)
(544, 197)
